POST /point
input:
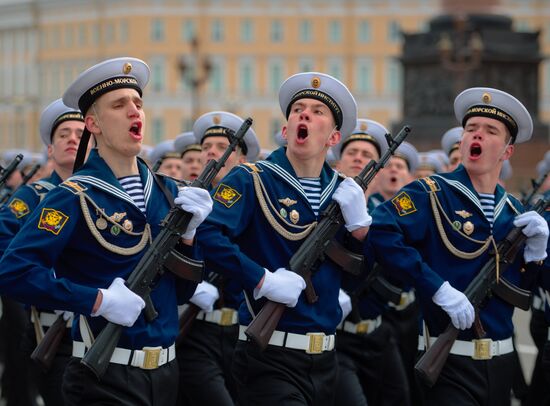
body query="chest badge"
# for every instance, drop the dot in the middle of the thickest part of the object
(115, 230)
(287, 201)
(468, 227)
(127, 225)
(101, 223)
(457, 225)
(283, 212)
(463, 213)
(294, 216)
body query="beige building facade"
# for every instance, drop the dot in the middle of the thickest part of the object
(247, 47)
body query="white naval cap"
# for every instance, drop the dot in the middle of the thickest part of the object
(53, 115)
(428, 160)
(164, 149)
(494, 103)
(278, 138)
(216, 123)
(325, 88)
(505, 171)
(106, 76)
(186, 142)
(409, 153)
(442, 157)
(451, 139)
(29, 158)
(365, 130)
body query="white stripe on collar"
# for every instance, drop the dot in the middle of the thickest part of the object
(107, 187)
(147, 189)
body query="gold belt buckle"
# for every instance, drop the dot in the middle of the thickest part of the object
(362, 327)
(316, 341)
(226, 318)
(482, 349)
(151, 358)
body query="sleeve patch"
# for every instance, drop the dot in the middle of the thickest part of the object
(52, 220)
(19, 208)
(403, 204)
(226, 195)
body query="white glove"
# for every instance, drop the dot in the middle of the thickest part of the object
(197, 201)
(205, 296)
(535, 228)
(456, 304)
(353, 204)
(281, 286)
(345, 303)
(119, 304)
(66, 314)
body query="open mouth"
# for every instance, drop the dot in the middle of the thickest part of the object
(393, 179)
(302, 133)
(135, 130)
(475, 150)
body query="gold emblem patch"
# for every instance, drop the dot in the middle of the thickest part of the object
(403, 204)
(74, 187)
(287, 201)
(463, 213)
(52, 220)
(19, 208)
(226, 195)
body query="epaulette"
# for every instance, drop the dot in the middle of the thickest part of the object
(429, 184)
(73, 186)
(40, 187)
(250, 167)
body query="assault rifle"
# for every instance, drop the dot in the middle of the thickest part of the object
(485, 283)
(312, 250)
(8, 170)
(161, 255)
(25, 180)
(535, 186)
(47, 348)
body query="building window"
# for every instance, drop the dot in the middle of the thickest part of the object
(394, 32)
(217, 31)
(276, 31)
(157, 30)
(247, 30)
(187, 74)
(55, 37)
(274, 127)
(275, 75)
(123, 31)
(158, 130)
(188, 30)
(95, 34)
(306, 65)
(305, 31)
(393, 77)
(364, 32)
(364, 76)
(215, 81)
(82, 37)
(246, 76)
(335, 32)
(335, 68)
(109, 33)
(157, 76)
(187, 124)
(69, 36)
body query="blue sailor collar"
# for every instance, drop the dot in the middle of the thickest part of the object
(95, 172)
(279, 165)
(460, 180)
(54, 179)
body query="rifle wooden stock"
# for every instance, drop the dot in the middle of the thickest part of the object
(186, 321)
(151, 265)
(429, 366)
(431, 363)
(46, 349)
(312, 250)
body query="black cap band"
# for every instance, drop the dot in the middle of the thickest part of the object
(322, 97)
(191, 147)
(361, 137)
(92, 94)
(493, 112)
(68, 116)
(218, 131)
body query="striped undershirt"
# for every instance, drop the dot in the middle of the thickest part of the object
(487, 201)
(312, 187)
(133, 186)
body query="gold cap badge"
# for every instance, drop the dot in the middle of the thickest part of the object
(315, 82)
(363, 127)
(486, 98)
(216, 119)
(127, 68)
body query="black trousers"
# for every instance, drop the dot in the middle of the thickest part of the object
(468, 382)
(204, 357)
(281, 376)
(49, 382)
(370, 370)
(121, 385)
